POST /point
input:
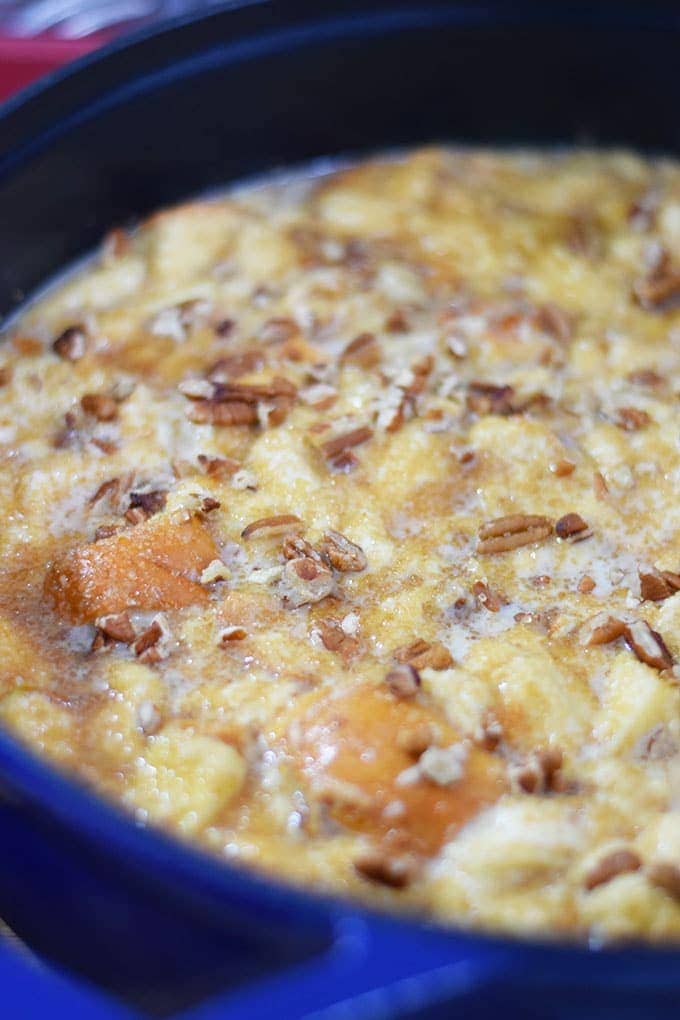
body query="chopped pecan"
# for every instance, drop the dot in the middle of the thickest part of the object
(219, 467)
(552, 319)
(631, 419)
(278, 330)
(395, 871)
(295, 547)
(5, 374)
(232, 366)
(363, 350)
(177, 321)
(152, 645)
(117, 626)
(345, 556)
(100, 406)
(654, 586)
(229, 634)
(648, 645)
(305, 580)
(665, 875)
(586, 585)
(71, 345)
(562, 468)
(397, 322)
(645, 377)
(486, 398)
(224, 327)
(489, 733)
(486, 598)
(149, 503)
(423, 655)
(572, 526)
(618, 862)
(540, 774)
(335, 639)
(403, 680)
(513, 531)
(602, 629)
(583, 233)
(208, 412)
(332, 448)
(659, 290)
(276, 524)
(600, 487)
(345, 462)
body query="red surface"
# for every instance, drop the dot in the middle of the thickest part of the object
(24, 60)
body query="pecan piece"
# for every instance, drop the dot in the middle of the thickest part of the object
(631, 419)
(602, 629)
(572, 526)
(513, 531)
(218, 467)
(335, 639)
(378, 866)
(232, 366)
(209, 412)
(616, 863)
(71, 345)
(660, 288)
(486, 598)
(654, 585)
(554, 321)
(666, 876)
(332, 448)
(100, 406)
(149, 503)
(117, 627)
(345, 556)
(648, 645)
(540, 774)
(403, 680)
(486, 398)
(363, 351)
(274, 525)
(152, 645)
(423, 655)
(305, 580)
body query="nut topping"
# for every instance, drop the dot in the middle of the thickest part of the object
(100, 406)
(572, 526)
(274, 525)
(339, 444)
(345, 556)
(654, 585)
(648, 645)
(540, 774)
(378, 866)
(619, 862)
(117, 627)
(305, 580)
(486, 598)
(71, 345)
(403, 680)
(602, 629)
(511, 532)
(425, 655)
(485, 398)
(631, 419)
(666, 876)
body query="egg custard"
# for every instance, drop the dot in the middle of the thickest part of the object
(341, 534)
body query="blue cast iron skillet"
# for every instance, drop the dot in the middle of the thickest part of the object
(133, 923)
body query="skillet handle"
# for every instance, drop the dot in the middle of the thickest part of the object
(375, 968)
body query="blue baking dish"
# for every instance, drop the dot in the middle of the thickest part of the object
(125, 922)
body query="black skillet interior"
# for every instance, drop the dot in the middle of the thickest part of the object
(264, 84)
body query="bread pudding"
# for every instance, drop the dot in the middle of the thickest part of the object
(340, 536)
